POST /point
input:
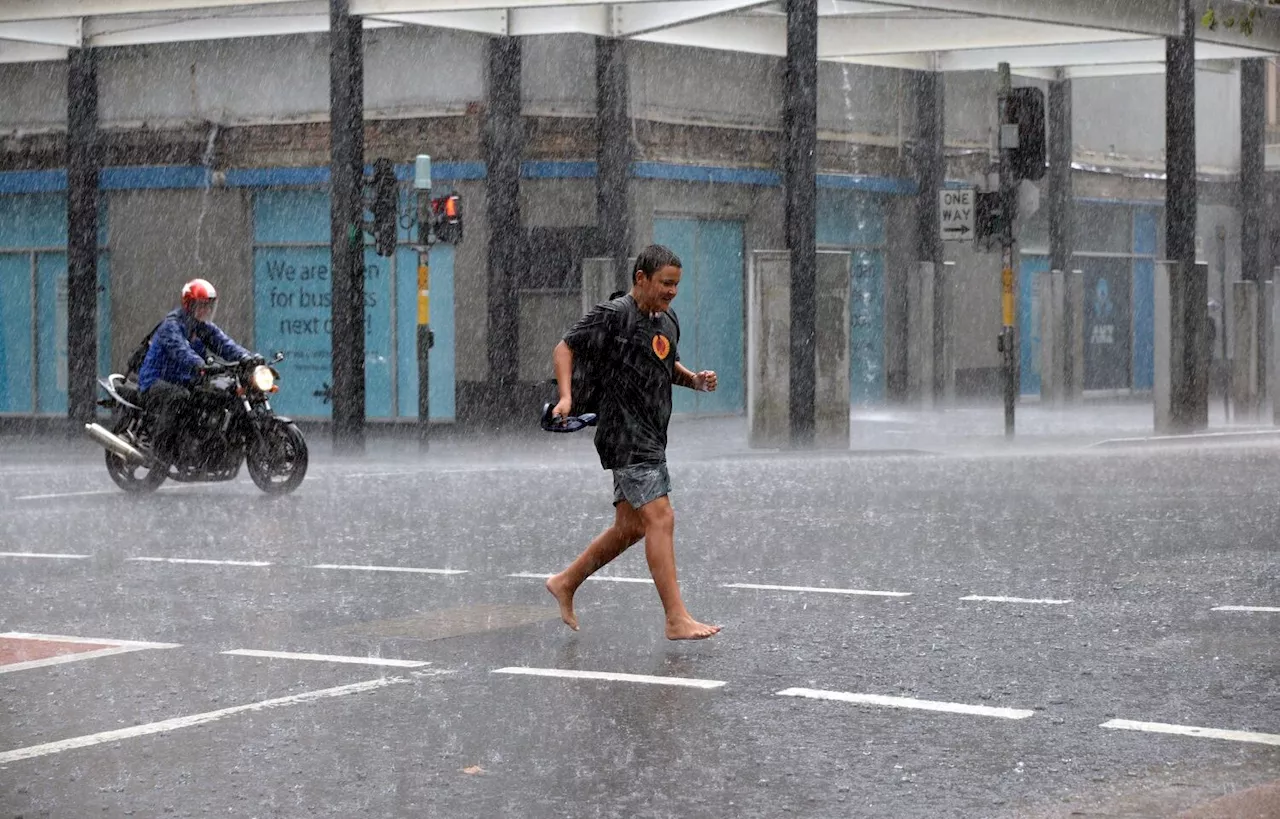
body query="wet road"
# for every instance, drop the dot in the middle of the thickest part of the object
(1016, 635)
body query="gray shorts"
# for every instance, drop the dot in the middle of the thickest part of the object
(639, 484)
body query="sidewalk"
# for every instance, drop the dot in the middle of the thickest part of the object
(967, 430)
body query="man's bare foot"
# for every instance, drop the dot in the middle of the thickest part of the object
(559, 590)
(687, 628)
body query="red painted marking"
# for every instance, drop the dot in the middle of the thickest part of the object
(22, 650)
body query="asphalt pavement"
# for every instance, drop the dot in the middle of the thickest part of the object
(913, 630)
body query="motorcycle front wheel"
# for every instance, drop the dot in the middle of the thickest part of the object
(133, 478)
(279, 463)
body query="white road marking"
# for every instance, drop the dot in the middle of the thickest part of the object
(326, 658)
(612, 676)
(44, 556)
(907, 702)
(388, 569)
(818, 589)
(1192, 731)
(186, 722)
(200, 561)
(1246, 608)
(111, 647)
(611, 578)
(69, 494)
(1043, 601)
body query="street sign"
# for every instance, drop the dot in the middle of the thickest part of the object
(955, 214)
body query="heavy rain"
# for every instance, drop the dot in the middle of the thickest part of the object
(694, 408)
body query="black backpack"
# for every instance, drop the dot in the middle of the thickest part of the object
(133, 367)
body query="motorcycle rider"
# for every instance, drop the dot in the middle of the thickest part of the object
(175, 360)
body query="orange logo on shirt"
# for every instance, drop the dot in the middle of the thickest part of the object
(661, 347)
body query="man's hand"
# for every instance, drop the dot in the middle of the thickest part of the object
(704, 381)
(561, 410)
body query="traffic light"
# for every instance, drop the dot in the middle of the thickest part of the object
(447, 211)
(385, 195)
(1024, 108)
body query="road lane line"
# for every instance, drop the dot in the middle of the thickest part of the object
(1246, 608)
(69, 494)
(174, 724)
(611, 676)
(1043, 601)
(818, 589)
(610, 578)
(410, 569)
(44, 556)
(200, 561)
(906, 702)
(1193, 731)
(109, 648)
(326, 658)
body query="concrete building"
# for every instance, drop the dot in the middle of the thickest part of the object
(216, 160)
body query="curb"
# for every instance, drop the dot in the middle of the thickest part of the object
(1198, 437)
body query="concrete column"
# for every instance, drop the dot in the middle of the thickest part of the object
(346, 224)
(83, 162)
(800, 174)
(1188, 295)
(1073, 337)
(1268, 335)
(1053, 338)
(613, 153)
(769, 349)
(921, 335)
(1245, 386)
(831, 364)
(1253, 128)
(599, 280)
(1181, 351)
(931, 168)
(504, 149)
(769, 284)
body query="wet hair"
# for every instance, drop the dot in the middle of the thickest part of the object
(652, 259)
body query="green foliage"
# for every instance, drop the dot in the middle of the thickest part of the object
(1211, 21)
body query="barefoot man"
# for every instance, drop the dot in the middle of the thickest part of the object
(632, 344)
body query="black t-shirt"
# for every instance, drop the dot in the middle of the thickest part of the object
(633, 358)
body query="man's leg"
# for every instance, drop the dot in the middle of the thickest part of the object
(660, 551)
(626, 530)
(169, 404)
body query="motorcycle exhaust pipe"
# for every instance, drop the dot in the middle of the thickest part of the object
(114, 443)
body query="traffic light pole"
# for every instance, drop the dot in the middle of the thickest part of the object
(1007, 343)
(422, 184)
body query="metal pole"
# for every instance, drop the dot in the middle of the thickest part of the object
(931, 170)
(1253, 127)
(613, 156)
(82, 234)
(1061, 206)
(422, 183)
(800, 125)
(1008, 203)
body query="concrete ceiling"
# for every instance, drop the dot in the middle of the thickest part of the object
(1039, 38)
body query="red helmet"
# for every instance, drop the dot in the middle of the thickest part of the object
(196, 292)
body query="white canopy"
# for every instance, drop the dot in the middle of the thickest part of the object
(1043, 38)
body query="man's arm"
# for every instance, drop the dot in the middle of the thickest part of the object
(223, 345)
(175, 345)
(704, 381)
(562, 357)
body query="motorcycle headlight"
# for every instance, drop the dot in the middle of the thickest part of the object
(263, 378)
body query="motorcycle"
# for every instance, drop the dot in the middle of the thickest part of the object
(230, 422)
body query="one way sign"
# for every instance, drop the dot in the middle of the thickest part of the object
(955, 214)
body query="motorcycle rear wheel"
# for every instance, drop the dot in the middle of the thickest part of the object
(280, 463)
(125, 474)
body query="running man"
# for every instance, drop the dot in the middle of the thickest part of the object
(631, 342)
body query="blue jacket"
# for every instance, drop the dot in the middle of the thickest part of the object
(178, 348)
